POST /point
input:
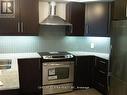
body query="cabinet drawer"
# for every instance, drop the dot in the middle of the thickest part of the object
(101, 64)
(101, 88)
(100, 77)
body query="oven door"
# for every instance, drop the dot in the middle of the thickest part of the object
(58, 72)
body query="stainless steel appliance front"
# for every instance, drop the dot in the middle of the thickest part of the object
(58, 77)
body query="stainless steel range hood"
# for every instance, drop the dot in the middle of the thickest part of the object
(53, 19)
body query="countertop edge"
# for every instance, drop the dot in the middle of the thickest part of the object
(36, 55)
(80, 53)
(19, 55)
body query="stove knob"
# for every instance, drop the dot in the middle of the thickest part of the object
(49, 57)
(69, 56)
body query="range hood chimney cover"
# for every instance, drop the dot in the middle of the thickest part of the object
(53, 19)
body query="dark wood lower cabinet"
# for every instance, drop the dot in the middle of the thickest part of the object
(101, 78)
(10, 92)
(30, 76)
(100, 82)
(91, 71)
(84, 71)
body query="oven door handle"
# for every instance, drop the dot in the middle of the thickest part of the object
(52, 64)
(56, 58)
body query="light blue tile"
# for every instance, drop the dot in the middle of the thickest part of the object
(52, 39)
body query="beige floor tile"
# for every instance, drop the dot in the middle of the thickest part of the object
(83, 92)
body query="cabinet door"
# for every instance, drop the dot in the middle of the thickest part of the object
(10, 92)
(101, 75)
(29, 76)
(119, 9)
(89, 19)
(97, 19)
(75, 14)
(29, 17)
(9, 25)
(84, 71)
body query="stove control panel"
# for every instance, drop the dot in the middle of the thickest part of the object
(58, 56)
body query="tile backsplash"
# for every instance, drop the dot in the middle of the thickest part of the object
(52, 39)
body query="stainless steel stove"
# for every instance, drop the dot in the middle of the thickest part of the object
(58, 72)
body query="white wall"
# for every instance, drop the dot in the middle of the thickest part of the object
(44, 10)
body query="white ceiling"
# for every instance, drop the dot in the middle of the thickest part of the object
(79, 0)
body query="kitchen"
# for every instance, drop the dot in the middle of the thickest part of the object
(52, 39)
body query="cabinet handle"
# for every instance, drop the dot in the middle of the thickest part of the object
(101, 72)
(87, 28)
(86, 20)
(109, 74)
(71, 28)
(18, 26)
(39, 87)
(22, 26)
(103, 62)
(102, 85)
(39, 66)
(126, 10)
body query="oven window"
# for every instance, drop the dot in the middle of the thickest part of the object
(58, 73)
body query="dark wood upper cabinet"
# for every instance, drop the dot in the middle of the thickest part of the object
(76, 16)
(89, 19)
(25, 22)
(9, 26)
(97, 19)
(29, 17)
(119, 10)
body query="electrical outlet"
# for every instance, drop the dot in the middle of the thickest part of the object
(1, 83)
(92, 45)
